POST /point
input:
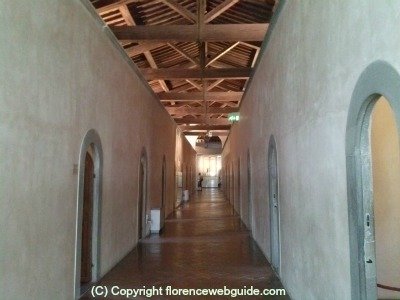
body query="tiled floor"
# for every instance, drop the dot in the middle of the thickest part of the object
(203, 245)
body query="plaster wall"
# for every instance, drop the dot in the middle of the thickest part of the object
(301, 94)
(61, 76)
(386, 177)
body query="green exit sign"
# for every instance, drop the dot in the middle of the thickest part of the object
(233, 117)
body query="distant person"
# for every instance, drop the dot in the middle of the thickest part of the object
(219, 181)
(200, 182)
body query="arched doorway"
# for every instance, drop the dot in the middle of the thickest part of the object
(187, 180)
(385, 155)
(239, 196)
(274, 205)
(142, 201)
(379, 185)
(163, 186)
(372, 158)
(190, 180)
(249, 199)
(232, 186)
(226, 181)
(183, 179)
(87, 220)
(87, 243)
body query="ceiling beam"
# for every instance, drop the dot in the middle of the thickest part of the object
(176, 73)
(219, 9)
(200, 110)
(114, 6)
(142, 47)
(184, 54)
(194, 84)
(204, 127)
(153, 64)
(180, 10)
(214, 133)
(250, 45)
(214, 84)
(130, 21)
(215, 96)
(201, 10)
(127, 15)
(209, 121)
(189, 33)
(222, 53)
(201, 100)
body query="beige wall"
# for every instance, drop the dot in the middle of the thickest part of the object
(386, 185)
(301, 94)
(61, 76)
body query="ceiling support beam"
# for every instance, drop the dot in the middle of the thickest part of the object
(200, 110)
(153, 64)
(142, 47)
(250, 45)
(127, 15)
(114, 6)
(190, 33)
(214, 133)
(194, 84)
(222, 53)
(201, 10)
(130, 21)
(176, 73)
(214, 84)
(204, 127)
(184, 54)
(215, 96)
(219, 9)
(174, 5)
(209, 121)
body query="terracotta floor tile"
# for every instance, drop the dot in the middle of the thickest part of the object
(203, 245)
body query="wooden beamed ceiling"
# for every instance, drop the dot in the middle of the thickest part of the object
(197, 56)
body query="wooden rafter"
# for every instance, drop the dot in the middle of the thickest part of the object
(209, 121)
(204, 127)
(219, 9)
(143, 47)
(194, 84)
(216, 133)
(127, 15)
(255, 56)
(153, 64)
(114, 6)
(131, 22)
(189, 33)
(184, 54)
(177, 73)
(222, 53)
(147, 53)
(180, 10)
(200, 110)
(216, 96)
(250, 45)
(214, 84)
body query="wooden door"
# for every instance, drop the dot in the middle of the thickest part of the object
(87, 217)
(141, 200)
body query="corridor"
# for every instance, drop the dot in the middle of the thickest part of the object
(286, 112)
(203, 245)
